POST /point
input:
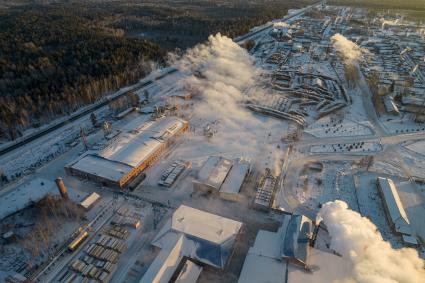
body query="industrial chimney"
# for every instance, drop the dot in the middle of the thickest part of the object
(61, 187)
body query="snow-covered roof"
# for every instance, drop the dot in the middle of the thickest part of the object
(215, 171)
(224, 175)
(102, 167)
(130, 149)
(208, 166)
(264, 261)
(165, 264)
(24, 195)
(189, 273)
(90, 200)
(394, 206)
(235, 178)
(209, 237)
(134, 147)
(328, 268)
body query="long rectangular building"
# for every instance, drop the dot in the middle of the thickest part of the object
(222, 176)
(394, 209)
(130, 153)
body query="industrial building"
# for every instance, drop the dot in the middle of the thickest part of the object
(265, 191)
(171, 265)
(130, 153)
(222, 176)
(192, 238)
(267, 260)
(394, 209)
(88, 202)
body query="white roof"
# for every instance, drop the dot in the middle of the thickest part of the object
(262, 269)
(189, 273)
(135, 146)
(217, 176)
(165, 264)
(328, 268)
(235, 178)
(209, 238)
(89, 200)
(130, 149)
(96, 165)
(208, 166)
(204, 225)
(394, 206)
(263, 263)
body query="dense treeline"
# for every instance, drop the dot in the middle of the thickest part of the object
(383, 4)
(52, 62)
(56, 57)
(187, 22)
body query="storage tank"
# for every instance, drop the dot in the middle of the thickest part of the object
(61, 187)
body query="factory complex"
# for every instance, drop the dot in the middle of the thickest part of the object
(130, 153)
(294, 153)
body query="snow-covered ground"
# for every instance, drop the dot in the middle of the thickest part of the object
(356, 147)
(328, 127)
(330, 163)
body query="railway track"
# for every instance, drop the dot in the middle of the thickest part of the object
(78, 115)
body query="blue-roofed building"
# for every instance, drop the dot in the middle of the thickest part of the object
(205, 238)
(267, 261)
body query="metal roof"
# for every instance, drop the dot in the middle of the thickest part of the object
(235, 178)
(134, 147)
(165, 264)
(209, 238)
(394, 206)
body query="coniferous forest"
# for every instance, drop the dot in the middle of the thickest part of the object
(56, 56)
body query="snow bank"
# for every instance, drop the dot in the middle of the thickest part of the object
(348, 49)
(373, 260)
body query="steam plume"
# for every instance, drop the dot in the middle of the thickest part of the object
(374, 260)
(221, 73)
(348, 49)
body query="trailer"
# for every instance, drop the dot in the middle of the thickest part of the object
(78, 241)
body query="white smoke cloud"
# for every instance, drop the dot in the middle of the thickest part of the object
(374, 260)
(221, 73)
(348, 49)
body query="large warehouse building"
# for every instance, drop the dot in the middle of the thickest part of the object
(222, 176)
(394, 209)
(129, 154)
(189, 241)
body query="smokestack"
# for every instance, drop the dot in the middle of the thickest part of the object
(61, 187)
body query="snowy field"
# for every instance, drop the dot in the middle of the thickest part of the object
(328, 127)
(417, 147)
(356, 147)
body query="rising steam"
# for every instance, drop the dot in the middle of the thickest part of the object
(220, 73)
(349, 50)
(357, 239)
